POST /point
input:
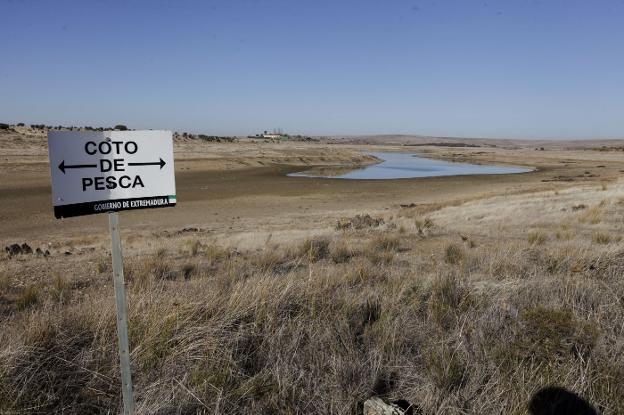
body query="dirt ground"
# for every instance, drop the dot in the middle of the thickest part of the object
(235, 188)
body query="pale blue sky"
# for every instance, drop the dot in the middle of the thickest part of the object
(521, 68)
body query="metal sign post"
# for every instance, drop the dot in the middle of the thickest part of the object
(106, 172)
(122, 319)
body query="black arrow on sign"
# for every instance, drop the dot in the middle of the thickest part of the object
(62, 166)
(160, 163)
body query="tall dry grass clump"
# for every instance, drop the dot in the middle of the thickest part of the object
(453, 253)
(593, 215)
(154, 267)
(381, 248)
(423, 225)
(28, 297)
(341, 252)
(601, 238)
(537, 238)
(314, 249)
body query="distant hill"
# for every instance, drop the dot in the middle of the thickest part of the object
(422, 140)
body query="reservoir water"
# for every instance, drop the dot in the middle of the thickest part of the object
(406, 166)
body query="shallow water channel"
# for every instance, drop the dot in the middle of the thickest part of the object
(406, 166)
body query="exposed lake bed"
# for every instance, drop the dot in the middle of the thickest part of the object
(246, 234)
(396, 165)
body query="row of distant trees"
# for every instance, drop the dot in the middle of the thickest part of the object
(120, 127)
(204, 137)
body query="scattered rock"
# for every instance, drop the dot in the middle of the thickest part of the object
(182, 232)
(560, 179)
(13, 249)
(189, 230)
(579, 207)
(377, 406)
(409, 205)
(17, 249)
(67, 253)
(359, 222)
(26, 249)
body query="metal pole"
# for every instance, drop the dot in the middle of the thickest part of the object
(122, 321)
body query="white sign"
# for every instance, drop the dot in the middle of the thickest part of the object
(99, 172)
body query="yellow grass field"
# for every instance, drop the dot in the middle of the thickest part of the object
(261, 293)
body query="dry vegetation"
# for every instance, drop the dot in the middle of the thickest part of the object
(461, 310)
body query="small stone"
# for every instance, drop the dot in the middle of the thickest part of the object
(13, 249)
(377, 406)
(359, 222)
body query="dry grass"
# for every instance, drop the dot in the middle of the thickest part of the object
(601, 238)
(279, 260)
(317, 326)
(214, 253)
(453, 254)
(549, 334)
(341, 252)
(423, 225)
(384, 242)
(195, 247)
(189, 270)
(381, 249)
(563, 235)
(314, 249)
(103, 264)
(537, 238)
(152, 268)
(5, 282)
(593, 215)
(27, 298)
(60, 289)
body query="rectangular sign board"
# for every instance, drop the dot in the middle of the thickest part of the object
(98, 172)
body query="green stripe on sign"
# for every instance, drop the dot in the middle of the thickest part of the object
(172, 199)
